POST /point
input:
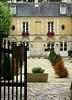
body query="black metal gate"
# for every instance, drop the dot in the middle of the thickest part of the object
(13, 72)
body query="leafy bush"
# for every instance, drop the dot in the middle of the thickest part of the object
(7, 69)
(51, 55)
(56, 59)
(20, 62)
(60, 70)
(37, 70)
(70, 53)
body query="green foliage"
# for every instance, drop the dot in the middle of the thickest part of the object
(70, 53)
(20, 62)
(5, 20)
(37, 70)
(55, 59)
(6, 68)
(51, 55)
(4, 0)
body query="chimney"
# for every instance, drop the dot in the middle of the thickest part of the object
(36, 3)
(14, 1)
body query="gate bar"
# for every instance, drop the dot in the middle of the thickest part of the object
(25, 92)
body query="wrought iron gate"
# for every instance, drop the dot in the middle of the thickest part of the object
(13, 72)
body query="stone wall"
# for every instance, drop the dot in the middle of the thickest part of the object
(38, 43)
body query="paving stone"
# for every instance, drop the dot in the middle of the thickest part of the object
(56, 98)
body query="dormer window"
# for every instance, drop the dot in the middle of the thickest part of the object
(13, 9)
(63, 9)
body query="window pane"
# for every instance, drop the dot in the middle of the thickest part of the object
(27, 46)
(48, 45)
(63, 10)
(65, 49)
(25, 26)
(61, 46)
(13, 10)
(50, 26)
(61, 49)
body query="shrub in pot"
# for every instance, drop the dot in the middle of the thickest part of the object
(51, 55)
(7, 69)
(56, 59)
(70, 53)
(15, 67)
(20, 62)
(37, 70)
(60, 70)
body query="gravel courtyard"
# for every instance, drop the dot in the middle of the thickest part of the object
(45, 64)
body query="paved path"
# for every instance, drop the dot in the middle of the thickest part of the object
(49, 91)
(43, 91)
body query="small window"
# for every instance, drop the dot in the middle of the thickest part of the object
(13, 10)
(63, 27)
(13, 27)
(63, 9)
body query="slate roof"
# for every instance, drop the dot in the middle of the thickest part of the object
(44, 9)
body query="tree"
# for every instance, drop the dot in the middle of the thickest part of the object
(5, 20)
(4, 0)
(5, 25)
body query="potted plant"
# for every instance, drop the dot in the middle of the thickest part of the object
(37, 75)
(50, 34)
(25, 33)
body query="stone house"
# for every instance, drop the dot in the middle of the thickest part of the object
(41, 19)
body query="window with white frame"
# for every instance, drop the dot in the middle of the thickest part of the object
(13, 9)
(25, 27)
(50, 26)
(63, 9)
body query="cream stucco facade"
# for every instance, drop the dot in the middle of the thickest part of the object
(38, 41)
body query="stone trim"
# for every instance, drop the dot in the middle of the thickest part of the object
(41, 26)
(18, 26)
(57, 25)
(34, 26)
(54, 25)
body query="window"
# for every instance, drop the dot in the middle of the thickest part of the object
(13, 27)
(63, 46)
(27, 43)
(25, 27)
(13, 10)
(50, 26)
(13, 43)
(63, 9)
(50, 46)
(63, 27)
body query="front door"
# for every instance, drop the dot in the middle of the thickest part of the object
(63, 48)
(50, 46)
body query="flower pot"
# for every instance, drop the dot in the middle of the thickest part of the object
(37, 77)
